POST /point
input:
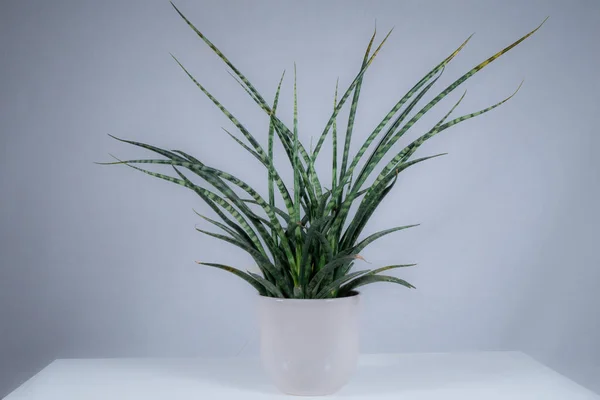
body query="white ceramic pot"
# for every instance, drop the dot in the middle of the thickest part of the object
(309, 347)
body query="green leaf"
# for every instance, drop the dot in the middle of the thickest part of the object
(334, 142)
(353, 107)
(310, 239)
(328, 252)
(331, 289)
(225, 228)
(270, 147)
(270, 287)
(245, 147)
(295, 155)
(238, 273)
(378, 270)
(329, 267)
(157, 150)
(278, 211)
(370, 239)
(365, 280)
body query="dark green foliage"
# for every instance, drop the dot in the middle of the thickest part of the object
(307, 248)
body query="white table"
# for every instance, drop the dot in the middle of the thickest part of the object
(480, 376)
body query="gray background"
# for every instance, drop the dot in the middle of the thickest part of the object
(98, 261)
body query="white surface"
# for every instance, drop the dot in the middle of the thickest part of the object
(481, 376)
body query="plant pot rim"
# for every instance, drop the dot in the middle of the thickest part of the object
(353, 295)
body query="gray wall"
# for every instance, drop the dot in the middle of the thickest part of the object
(98, 261)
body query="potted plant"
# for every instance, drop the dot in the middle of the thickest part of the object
(306, 242)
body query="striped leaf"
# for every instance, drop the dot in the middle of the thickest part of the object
(328, 268)
(370, 239)
(365, 280)
(270, 287)
(354, 105)
(225, 228)
(270, 148)
(237, 272)
(334, 143)
(331, 289)
(386, 268)
(310, 242)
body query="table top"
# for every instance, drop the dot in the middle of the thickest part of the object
(428, 376)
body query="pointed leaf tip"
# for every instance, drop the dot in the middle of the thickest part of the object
(175, 7)
(451, 56)
(519, 87)
(359, 257)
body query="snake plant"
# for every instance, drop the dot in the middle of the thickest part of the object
(306, 241)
